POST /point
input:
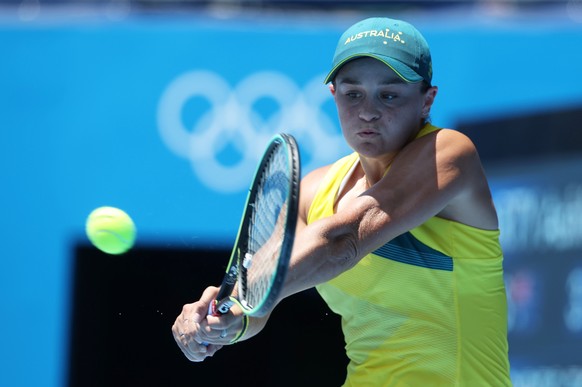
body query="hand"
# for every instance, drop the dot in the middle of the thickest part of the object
(193, 327)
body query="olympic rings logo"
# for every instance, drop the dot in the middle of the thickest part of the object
(226, 138)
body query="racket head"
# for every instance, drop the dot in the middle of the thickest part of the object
(265, 239)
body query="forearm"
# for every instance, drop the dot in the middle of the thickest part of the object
(255, 326)
(321, 251)
(319, 254)
(330, 246)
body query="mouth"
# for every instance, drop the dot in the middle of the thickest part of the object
(367, 133)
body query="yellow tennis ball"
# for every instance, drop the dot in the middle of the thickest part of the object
(111, 230)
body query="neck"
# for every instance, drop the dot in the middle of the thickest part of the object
(374, 169)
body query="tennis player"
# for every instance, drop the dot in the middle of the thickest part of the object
(400, 238)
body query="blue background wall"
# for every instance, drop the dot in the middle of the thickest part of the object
(148, 114)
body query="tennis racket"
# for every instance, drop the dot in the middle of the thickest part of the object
(260, 257)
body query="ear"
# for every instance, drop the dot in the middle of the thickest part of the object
(332, 89)
(429, 98)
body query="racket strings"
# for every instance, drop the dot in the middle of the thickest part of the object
(266, 230)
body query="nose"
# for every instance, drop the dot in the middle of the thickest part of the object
(369, 111)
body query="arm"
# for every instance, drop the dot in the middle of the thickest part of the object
(193, 327)
(438, 174)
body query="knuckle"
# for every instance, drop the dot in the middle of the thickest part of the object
(185, 308)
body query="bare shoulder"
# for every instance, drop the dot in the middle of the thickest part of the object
(443, 150)
(443, 171)
(456, 143)
(455, 149)
(309, 185)
(473, 205)
(447, 149)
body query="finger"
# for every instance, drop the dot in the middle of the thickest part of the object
(201, 307)
(187, 330)
(209, 294)
(195, 312)
(232, 322)
(192, 350)
(226, 321)
(199, 352)
(190, 355)
(221, 336)
(178, 330)
(186, 334)
(183, 325)
(215, 336)
(194, 355)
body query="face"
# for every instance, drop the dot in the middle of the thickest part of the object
(378, 111)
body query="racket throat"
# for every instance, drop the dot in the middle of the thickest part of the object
(222, 307)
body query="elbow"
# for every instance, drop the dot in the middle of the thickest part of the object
(350, 238)
(344, 253)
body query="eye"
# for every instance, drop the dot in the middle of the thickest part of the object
(353, 94)
(388, 96)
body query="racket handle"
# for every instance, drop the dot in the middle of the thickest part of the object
(216, 308)
(212, 311)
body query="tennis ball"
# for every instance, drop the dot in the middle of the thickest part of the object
(111, 230)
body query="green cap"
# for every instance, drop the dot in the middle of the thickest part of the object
(396, 43)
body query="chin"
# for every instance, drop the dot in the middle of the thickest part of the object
(368, 149)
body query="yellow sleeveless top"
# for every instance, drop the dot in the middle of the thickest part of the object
(426, 309)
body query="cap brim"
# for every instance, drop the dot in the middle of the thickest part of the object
(402, 70)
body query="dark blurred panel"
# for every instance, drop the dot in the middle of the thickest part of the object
(540, 134)
(124, 307)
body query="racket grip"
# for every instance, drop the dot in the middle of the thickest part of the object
(213, 311)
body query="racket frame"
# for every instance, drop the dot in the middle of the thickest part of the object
(235, 271)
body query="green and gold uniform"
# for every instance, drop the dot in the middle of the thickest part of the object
(426, 309)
